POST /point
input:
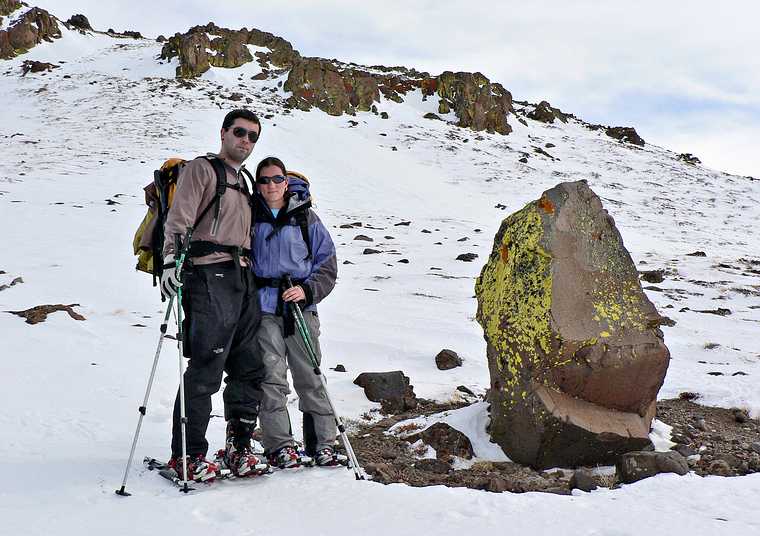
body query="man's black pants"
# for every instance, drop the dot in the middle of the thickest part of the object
(222, 314)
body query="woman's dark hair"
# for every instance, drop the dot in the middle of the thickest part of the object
(271, 161)
(240, 113)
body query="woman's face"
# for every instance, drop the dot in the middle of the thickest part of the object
(272, 192)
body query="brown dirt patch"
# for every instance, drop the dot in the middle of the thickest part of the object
(728, 450)
(38, 314)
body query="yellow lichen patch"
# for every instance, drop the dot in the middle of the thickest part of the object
(514, 296)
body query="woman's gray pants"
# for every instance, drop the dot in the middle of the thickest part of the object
(279, 354)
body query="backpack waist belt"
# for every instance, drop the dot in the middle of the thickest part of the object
(201, 248)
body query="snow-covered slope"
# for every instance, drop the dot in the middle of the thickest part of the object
(89, 134)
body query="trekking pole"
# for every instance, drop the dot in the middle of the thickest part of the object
(144, 408)
(180, 336)
(303, 330)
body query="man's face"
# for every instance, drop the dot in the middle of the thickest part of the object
(237, 148)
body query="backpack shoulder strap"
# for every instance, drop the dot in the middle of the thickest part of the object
(221, 187)
(302, 218)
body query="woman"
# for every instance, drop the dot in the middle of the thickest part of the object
(290, 240)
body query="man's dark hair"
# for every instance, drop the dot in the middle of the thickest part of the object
(240, 113)
(271, 161)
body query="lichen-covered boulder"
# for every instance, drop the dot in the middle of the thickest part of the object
(575, 353)
(33, 27)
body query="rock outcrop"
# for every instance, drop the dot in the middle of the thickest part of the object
(628, 134)
(79, 22)
(204, 46)
(33, 27)
(545, 113)
(575, 353)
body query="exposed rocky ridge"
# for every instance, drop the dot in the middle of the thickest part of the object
(337, 88)
(330, 85)
(33, 27)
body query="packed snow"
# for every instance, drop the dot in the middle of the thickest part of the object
(80, 142)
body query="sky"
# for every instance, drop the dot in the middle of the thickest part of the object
(686, 75)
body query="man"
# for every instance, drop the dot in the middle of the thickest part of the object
(219, 299)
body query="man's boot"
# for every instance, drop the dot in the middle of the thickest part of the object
(238, 454)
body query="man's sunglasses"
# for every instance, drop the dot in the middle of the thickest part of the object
(277, 179)
(241, 132)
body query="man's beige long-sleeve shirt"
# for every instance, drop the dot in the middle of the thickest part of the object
(196, 187)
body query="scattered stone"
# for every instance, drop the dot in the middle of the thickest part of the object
(433, 465)
(697, 254)
(31, 66)
(339, 368)
(584, 370)
(402, 224)
(347, 262)
(583, 480)
(720, 468)
(711, 345)
(720, 311)
(404, 261)
(447, 359)
(13, 283)
(700, 424)
(653, 276)
(370, 251)
(426, 231)
(739, 373)
(685, 450)
(38, 314)
(635, 466)
(364, 238)
(465, 390)
(523, 160)
(383, 115)
(433, 116)
(688, 395)
(689, 159)
(391, 389)
(382, 471)
(626, 134)
(467, 257)
(446, 441)
(740, 415)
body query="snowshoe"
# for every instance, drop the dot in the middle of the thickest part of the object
(237, 455)
(199, 469)
(327, 457)
(289, 458)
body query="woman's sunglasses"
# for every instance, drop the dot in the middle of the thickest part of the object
(241, 132)
(277, 179)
